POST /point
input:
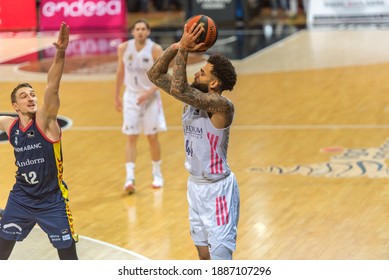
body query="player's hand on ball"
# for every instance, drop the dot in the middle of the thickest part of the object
(189, 40)
(208, 35)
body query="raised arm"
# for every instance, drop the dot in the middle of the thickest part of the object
(158, 73)
(213, 102)
(157, 52)
(47, 113)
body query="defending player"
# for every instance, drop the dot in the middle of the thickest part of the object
(39, 195)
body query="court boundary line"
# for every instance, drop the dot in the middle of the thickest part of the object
(136, 255)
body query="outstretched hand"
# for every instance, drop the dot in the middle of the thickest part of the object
(189, 39)
(63, 37)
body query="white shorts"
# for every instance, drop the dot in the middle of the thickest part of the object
(148, 117)
(214, 212)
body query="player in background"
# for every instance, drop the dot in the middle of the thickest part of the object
(141, 104)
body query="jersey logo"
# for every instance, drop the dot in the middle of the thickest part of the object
(30, 134)
(10, 225)
(63, 122)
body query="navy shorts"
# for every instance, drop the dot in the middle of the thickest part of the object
(51, 213)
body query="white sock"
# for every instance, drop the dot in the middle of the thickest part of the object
(130, 168)
(157, 167)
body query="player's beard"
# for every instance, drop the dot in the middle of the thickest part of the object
(200, 87)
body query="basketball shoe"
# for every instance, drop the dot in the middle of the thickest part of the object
(158, 181)
(129, 186)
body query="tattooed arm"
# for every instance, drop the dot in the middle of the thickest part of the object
(158, 73)
(219, 108)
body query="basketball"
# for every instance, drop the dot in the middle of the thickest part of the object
(209, 36)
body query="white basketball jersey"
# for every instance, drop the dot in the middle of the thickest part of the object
(205, 146)
(136, 64)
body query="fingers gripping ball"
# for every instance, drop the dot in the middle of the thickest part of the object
(209, 36)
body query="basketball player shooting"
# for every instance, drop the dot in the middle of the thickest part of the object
(212, 189)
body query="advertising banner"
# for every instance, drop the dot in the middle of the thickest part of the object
(343, 13)
(18, 15)
(83, 14)
(90, 45)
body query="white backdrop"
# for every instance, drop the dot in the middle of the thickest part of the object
(343, 13)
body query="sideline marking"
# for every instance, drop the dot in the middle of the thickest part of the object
(138, 256)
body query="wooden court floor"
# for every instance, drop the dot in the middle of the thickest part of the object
(308, 146)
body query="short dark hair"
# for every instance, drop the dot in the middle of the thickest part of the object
(223, 70)
(141, 21)
(13, 93)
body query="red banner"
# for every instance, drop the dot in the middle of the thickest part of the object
(83, 14)
(18, 15)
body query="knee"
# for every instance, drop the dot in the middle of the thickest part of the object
(132, 140)
(4, 254)
(153, 139)
(68, 253)
(204, 256)
(203, 253)
(6, 247)
(221, 253)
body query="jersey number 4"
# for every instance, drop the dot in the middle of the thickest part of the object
(188, 148)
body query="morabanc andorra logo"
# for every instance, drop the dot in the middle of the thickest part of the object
(369, 162)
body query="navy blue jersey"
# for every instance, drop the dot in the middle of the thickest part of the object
(39, 194)
(38, 161)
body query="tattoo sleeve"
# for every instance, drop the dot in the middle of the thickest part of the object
(180, 89)
(158, 73)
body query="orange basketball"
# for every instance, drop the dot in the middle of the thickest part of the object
(209, 35)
